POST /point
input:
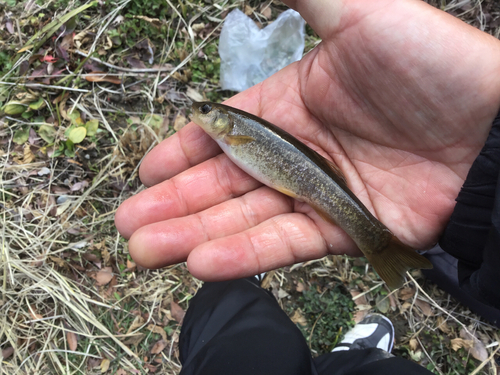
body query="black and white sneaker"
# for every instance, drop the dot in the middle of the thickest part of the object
(374, 331)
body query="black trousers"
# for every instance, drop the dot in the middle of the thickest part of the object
(236, 327)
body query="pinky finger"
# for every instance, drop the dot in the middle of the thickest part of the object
(280, 241)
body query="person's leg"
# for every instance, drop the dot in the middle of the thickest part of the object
(236, 327)
(365, 349)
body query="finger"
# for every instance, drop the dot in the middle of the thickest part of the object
(282, 240)
(168, 242)
(196, 189)
(186, 148)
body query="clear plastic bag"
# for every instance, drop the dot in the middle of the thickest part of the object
(249, 55)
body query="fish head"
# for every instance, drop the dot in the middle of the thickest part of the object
(212, 118)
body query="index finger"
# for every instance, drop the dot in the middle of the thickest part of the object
(186, 148)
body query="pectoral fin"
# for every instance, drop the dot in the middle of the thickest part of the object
(238, 140)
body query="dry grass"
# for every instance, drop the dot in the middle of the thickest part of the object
(72, 301)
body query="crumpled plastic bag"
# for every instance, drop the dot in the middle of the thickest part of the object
(249, 55)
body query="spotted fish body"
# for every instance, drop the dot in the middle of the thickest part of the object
(280, 161)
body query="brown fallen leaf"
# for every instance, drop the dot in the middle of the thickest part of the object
(159, 346)
(179, 122)
(392, 301)
(477, 349)
(265, 11)
(458, 343)
(442, 325)
(358, 301)
(177, 312)
(105, 365)
(299, 318)
(248, 10)
(360, 315)
(121, 372)
(414, 344)
(104, 276)
(72, 340)
(300, 287)
(135, 340)
(34, 314)
(159, 330)
(424, 307)
(103, 77)
(7, 352)
(131, 266)
(406, 293)
(28, 154)
(138, 321)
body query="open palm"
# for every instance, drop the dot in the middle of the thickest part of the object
(401, 96)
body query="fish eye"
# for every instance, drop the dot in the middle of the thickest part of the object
(205, 108)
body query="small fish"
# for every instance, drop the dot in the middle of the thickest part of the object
(280, 161)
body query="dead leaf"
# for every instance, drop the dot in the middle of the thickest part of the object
(135, 340)
(194, 95)
(477, 349)
(106, 256)
(58, 261)
(159, 330)
(300, 287)
(360, 302)
(7, 352)
(131, 266)
(406, 293)
(121, 372)
(135, 62)
(28, 154)
(405, 307)
(424, 306)
(458, 343)
(265, 11)
(72, 340)
(138, 322)
(10, 27)
(248, 10)
(179, 122)
(442, 325)
(80, 185)
(382, 303)
(299, 318)
(360, 315)
(177, 312)
(393, 302)
(414, 344)
(34, 314)
(104, 276)
(158, 347)
(105, 365)
(103, 77)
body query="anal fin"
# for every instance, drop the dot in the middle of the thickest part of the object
(394, 260)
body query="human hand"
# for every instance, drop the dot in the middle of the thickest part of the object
(400, 95)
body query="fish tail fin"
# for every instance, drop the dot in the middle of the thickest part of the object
(394, 260)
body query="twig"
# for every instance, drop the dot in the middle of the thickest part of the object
(42, 86)
(147, 70)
